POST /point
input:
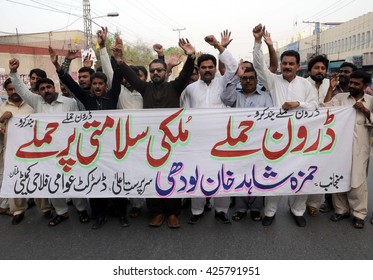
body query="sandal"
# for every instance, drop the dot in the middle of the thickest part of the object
(255, 216)
(358, 223)
(83, 216)
(57, 220)
(238, 216)
(312, 211)
(339, 217)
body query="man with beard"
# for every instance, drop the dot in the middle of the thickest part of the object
(289, 92)
(355, 201)
(16, 106)
(317, 68)
(49, 101)
(205, 93)
(345, 71)
(158, 93)
(35, 75)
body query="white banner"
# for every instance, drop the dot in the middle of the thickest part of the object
(179, 153)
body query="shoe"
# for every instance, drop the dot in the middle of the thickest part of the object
(48, 214)
(173, 222)
(194, 219)
(222, 217)
(267, 221)
(69, 201)
(233, 202)
(312, 211)
(299, 220)
(358, 223)
(5, 211)
(157, 220)
(100, 221)
(238, 216)
(124, 222)
(326, 207)
(208, 205)
(339, 217)
(57, 220)
(135, 212)
(83, 216)
(255, 216)
(17, 219)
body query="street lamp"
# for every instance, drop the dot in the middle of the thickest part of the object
(88, 25)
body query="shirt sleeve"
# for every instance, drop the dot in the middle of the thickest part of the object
(229, 94)
(30, 98)
(106, 66)
(264, 75)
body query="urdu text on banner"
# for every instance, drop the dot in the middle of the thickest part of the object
(172, 153)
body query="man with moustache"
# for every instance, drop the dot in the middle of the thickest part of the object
(289, 92)
(345, 71)
(159, 93)
(317, 68)
(250, 95)
(355, 201)
(16, 106)
(205, 93)
(49, 101)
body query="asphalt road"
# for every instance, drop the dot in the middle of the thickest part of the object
(321, 239)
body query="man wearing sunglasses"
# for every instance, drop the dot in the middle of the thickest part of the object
(158, 93)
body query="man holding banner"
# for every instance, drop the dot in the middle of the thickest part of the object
(355, 201)
(289, 92)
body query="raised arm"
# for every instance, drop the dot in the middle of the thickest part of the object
(273, 62)
(104, 56)
(182, 80)
(225, 41)
(229, 94)
(30, 98)
(126, 71)
(264, 75)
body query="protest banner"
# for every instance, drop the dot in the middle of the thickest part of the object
(173, 153)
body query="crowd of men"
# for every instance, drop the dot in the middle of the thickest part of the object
(200, 84)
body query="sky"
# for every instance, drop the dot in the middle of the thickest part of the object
(157, 21)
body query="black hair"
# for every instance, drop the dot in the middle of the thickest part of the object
(135, 69)
(158, 61)
(99, 75)
(319, 58)
(361, 74)
(205, 57)
(7, 82)
(291, 53)
(43, 81)
(143, 69)
(348, 64)
(86, 69)
(40, 73)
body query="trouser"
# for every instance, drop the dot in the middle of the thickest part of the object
(99, 206)
(221, 204)
(244, 203)
(166, 206)
(4, 203)
(19, 205)
(297, 204)
(314, 200)
(137, 202)
(62, 208)
(355, 200)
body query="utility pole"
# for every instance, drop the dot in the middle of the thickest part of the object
(87, 23)
(179, 30)
(317, 32)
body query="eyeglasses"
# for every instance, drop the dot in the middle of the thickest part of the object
(157, 69)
